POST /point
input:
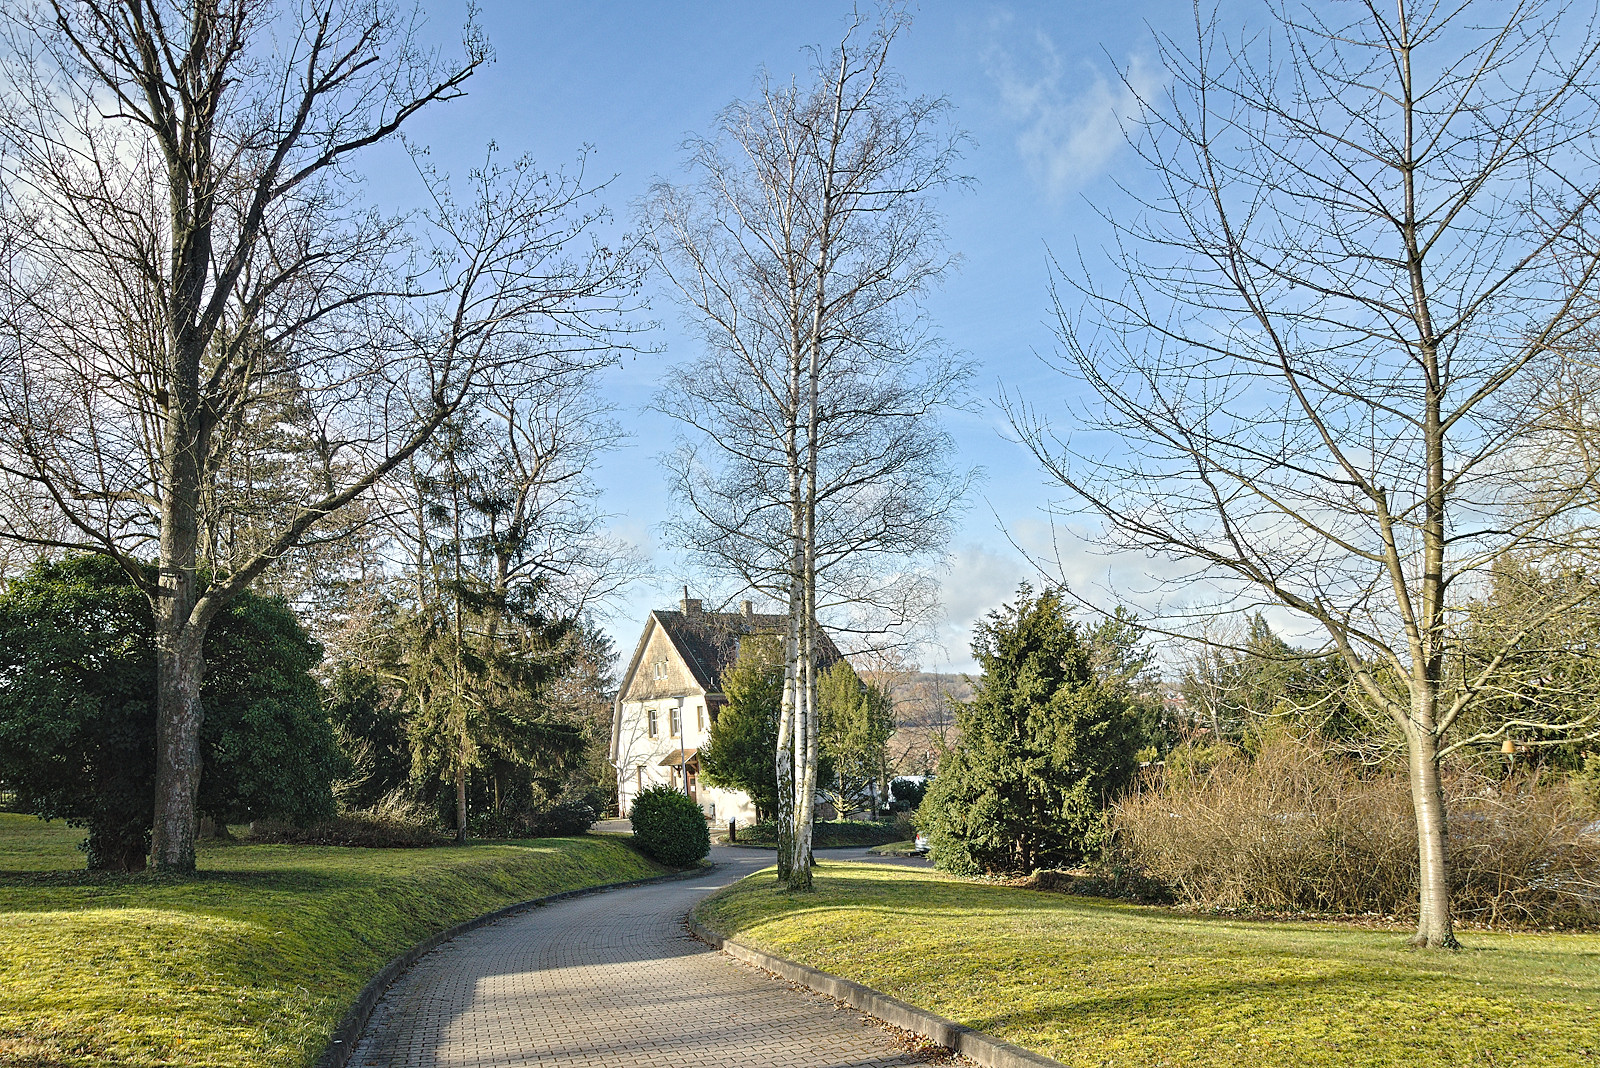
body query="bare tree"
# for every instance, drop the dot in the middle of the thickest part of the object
(818, 474)
(1363, 239)
(185, 246)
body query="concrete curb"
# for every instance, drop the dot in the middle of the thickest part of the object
(342, 1043)
(975, 1045)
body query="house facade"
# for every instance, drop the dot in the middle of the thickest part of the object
(671, 694)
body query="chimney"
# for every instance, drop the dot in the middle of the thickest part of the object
(690, 607)
(746, 609)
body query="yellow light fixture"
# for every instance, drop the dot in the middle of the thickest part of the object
(1509, 748)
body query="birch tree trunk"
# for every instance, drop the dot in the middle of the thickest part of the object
(785, 753)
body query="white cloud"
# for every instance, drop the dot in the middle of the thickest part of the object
(980, 580)
(1071, 121)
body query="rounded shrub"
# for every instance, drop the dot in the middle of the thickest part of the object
(670, 827)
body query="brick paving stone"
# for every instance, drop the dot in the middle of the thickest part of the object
(612, 980)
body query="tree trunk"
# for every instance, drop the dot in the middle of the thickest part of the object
(179, 635)
(180, 669)
(461, 801)
(1434, 927)
(792, 709)
(785, 753)
(805, 802)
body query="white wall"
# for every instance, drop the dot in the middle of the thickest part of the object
(637, 751)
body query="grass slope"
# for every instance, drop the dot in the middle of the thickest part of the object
(251, 962)
(1092, 982)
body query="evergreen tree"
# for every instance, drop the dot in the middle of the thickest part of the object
(78, 720)
(744, 735)
(369, 718)
(1044, 748)
(857, 719)
(1122, 659)
(1232, 691)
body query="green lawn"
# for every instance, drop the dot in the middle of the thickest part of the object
(904, 848)
(1099, 983)
(251, 962)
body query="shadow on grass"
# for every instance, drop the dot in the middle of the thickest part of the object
(286, 879)
(855, 885)
(1184, 998)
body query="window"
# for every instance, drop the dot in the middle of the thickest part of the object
(700, 719)
(660, 669)
(675, 722)
(655, 728)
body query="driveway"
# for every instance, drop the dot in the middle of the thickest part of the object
(613, 979)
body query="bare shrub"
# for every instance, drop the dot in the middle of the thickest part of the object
(1302, 829)
(1519, 855)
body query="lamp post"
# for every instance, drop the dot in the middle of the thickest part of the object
(683, 749)
(1509, 748)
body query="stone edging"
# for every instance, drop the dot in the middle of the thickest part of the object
(975, 1045)
(342, 1043)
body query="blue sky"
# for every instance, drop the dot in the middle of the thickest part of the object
(1034, 84)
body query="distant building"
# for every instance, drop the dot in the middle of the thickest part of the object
(670, 696)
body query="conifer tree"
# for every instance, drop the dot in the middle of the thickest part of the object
(744, 736)
(1044, 747)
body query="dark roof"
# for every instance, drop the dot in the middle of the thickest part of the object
(708, 641)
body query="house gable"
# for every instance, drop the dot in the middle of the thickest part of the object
(682, 654)
(658, 669)
(669, 696)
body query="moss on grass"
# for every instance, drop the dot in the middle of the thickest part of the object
(1092, 982)
(252, 961)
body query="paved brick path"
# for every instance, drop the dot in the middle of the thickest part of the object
(611, 980)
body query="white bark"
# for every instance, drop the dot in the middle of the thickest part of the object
(801, 253)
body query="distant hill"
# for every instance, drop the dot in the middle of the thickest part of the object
(925, 722)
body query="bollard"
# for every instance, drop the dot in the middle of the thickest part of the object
(733, 831)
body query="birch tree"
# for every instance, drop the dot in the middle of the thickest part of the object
(183, 237)
(816, 473)
(1366, 234)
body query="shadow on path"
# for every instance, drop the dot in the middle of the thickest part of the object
(612, 979)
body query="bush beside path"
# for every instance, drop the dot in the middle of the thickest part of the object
(1092, 982)
(248, 964)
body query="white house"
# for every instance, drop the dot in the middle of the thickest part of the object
(670, 696)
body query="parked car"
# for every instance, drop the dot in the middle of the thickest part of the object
(921, 845)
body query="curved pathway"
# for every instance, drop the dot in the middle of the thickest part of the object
(611, 980)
